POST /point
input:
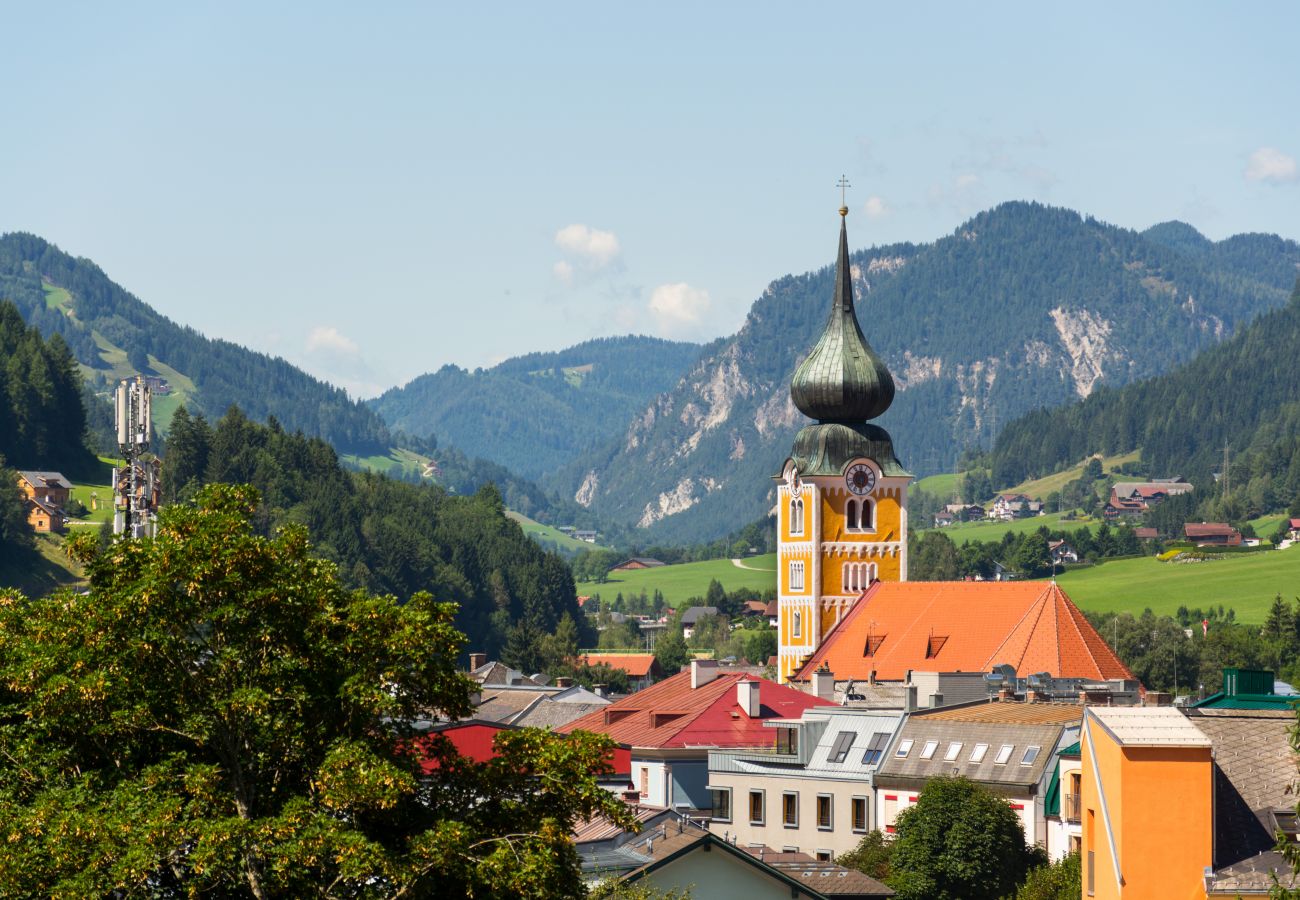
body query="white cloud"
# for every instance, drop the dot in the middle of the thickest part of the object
(1271, 164)
(966, 181)
(876, 207)
(678, 308)
(593, 246)
(328, 339)
(563, 272)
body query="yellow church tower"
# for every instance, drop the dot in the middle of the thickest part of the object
(842, 494)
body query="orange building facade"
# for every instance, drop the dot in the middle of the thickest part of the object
(1148, 782)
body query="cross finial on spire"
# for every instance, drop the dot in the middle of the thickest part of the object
(843, 185)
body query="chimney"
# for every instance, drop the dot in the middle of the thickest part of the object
(477, 661)
(599, 689)
(702, 672)
(823, 683)
(1006, 693)
(563, 681)
(871, 677)
(747, 697)
(911, 698)
(1032, 696)
(936, 701)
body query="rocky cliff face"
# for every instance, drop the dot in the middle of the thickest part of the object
(1024, 306)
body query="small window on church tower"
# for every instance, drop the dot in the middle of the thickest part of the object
(851, 515)
(796, 516)
(867, 517)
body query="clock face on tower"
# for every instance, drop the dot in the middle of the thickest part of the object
(860, 478)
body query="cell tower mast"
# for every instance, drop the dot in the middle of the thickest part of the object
(136, 486)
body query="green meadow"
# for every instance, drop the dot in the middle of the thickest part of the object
(681, 582)
(553, 535)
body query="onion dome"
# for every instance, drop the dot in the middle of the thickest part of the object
(842, 380)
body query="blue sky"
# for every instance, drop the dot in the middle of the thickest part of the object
(373, 191)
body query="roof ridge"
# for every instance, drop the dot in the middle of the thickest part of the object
(1037, 604)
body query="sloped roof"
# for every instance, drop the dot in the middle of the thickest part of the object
(552, 714)
(1148, 726)
(636, 665)
(1008, 713)
(672, 714)
(45, 479)
(1031, 625)
(1208, 529)
(959, 739)
(695, 613)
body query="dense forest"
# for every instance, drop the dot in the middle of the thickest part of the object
(534, 413)
(1023, 306)
(384, 535)
(1242, 395)
(223, 373)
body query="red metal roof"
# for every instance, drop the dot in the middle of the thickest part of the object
(1032, 625)
(636, 665)
(673, 714)
(1209, 529)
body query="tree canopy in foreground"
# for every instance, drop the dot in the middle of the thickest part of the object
(218, 716)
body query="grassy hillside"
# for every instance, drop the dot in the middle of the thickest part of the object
(1247, 582)
(52, 569)
(993, 531)
(1041, 487)
(680, 583)
(943, 485)
(552, 535)
(394, 463)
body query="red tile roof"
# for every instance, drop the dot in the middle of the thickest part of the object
(1032, 625)
(636, 665)
(1209, 529)
(672, 714)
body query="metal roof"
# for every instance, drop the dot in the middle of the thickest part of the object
(1148, 726)
(968, 762)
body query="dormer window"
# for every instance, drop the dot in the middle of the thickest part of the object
(935, 644)
(787, 741)
(873, 644)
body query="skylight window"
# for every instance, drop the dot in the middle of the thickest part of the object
(953, 749)
(903, 749)
(977, 755)
(875, 748)
(1004, 754)
(928, 750)
(843, 741)
(1031, 754)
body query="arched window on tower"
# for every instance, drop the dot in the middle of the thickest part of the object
(857, 576)
(796, 516)
(867, 515)
(851, 515)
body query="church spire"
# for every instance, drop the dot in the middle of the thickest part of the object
(842, 380)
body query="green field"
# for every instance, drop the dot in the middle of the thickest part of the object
(394, 462)
(993, 531)
(1041, 487)
(56, 297)
(943, 485)
(554, 536)
(1265, 525)
(681, 582)
(1246, 582)
(52, 569)
(101, 486)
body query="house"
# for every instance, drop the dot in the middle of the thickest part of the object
(1062, 553)
(964, 512)
(672, 725)
(585, 535)
(943, 519)
(50, 488)
(1146, 534)
(1009, 748)
(44, 518)
(642, 668)
(1014, 506)
(676, 854)
(964, 626)
(773, 613)
(1132, 498)
(754, 609)
(636, 562)
(691, 618)
(814, 794)
(1293, 529)
(1062, 804)
(1212, 534)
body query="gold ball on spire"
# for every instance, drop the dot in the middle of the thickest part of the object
(844, 211)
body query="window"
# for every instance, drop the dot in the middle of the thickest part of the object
(903, 749)
(1031, 754)
(796, 516)
(928, 750)
(790, 809)
(857, 576)
(977, 755)
(825, 812)
(953, 749)
(851, 515)
(721, 804)
(859, 515)
(787, 741)
(873, 644)
(1092, 873)
(843, 741)
(860, 814)
(823, 856)
(875, 748)
(645, 784)
(1003, 755)
(796, 576)
(796, 624)
(756, 808)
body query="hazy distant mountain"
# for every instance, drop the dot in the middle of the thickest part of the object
(1023, 306)
(113, 334)
(536, 413)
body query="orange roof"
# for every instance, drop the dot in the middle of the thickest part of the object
(636, 665)
(965, 626)
(673, 714)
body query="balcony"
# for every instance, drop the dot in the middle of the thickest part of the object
(1070, 808)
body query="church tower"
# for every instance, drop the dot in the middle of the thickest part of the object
(842, 494)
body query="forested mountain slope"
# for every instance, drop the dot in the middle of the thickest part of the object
(535, 413)
(113, 333)
(1021, 307)
(1243, 394)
